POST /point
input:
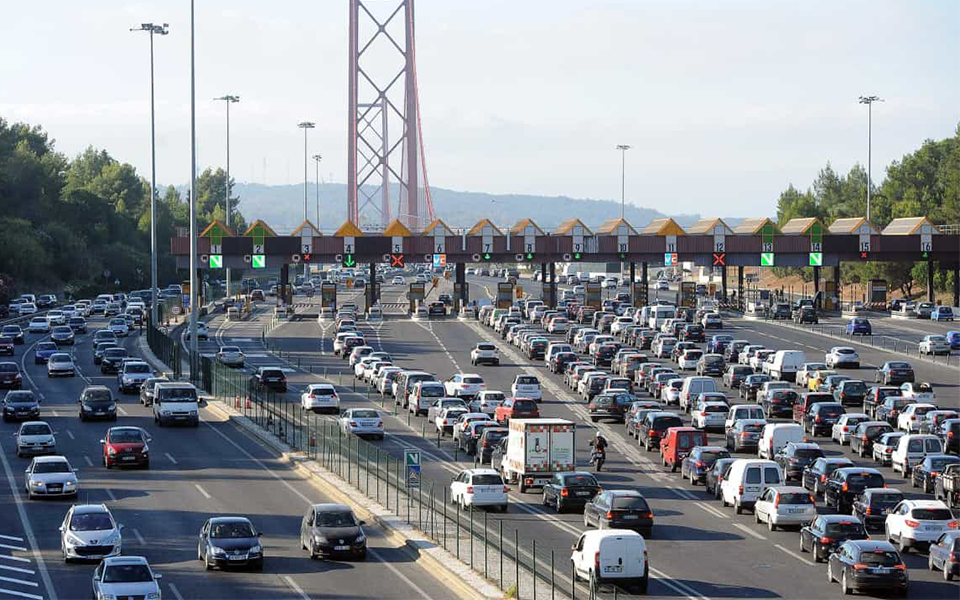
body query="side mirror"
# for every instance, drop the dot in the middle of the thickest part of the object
(157, 576)
(27, 470)
(259, 533)
(573, 548)
(362, 522)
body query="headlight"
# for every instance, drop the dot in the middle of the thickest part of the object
(256, 549)
(360, 539)
(146, 449)
(217, 551)
(74, 540)
(36, 483)
(112, 407)
(193, 412)
(165, 413)
(153, 596)
(108, 597)
(69, 483)
(319, 539)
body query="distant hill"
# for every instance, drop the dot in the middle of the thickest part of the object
(281, 206)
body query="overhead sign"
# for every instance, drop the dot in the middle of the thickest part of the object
(719, 259)
(439, 260)
(670, 259)
(258, 261)
(766, 259)
(216, 261)
(816, 259)
(411, 459)
(396, 260)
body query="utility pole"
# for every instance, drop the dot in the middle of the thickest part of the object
(158, 30)
(194, 280)
(318, 158)
(869, 100)
(305, 125)
(228, 99)
(623, 177)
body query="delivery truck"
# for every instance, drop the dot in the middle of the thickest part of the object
(537, 449)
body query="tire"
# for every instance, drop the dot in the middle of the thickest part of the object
(206, 563)
(847, 590)
(756, 518)
(770, 524)
(737, 507)
(903, 546)
(829, 573)
(803, 548)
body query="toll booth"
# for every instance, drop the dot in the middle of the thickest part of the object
(504, 294)
(831, 296)
(593, 294)
(328, 294)
(550, 293)
(418, 291)
(877, 291)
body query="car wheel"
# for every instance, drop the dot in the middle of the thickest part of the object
(847, 590)
(737, 507)
(206, 562)
(903, 546)
(756, 517)
(586, 521)
(770, 524)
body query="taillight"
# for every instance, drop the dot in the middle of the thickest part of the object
(353, 423)
(911, 523)
(506, 489)
(776, 502)
(823, 479)
(864, 438)
(868, 511)
(826, 540)
(860, 566)
(740, 490)
(564, 492)
(817, 420)
(845, 428)
(609, 514)
(469, 489)
(596, 561)
(953, 524)
(744, 435)
(846, 487)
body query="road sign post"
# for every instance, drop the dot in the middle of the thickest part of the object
(411, 458)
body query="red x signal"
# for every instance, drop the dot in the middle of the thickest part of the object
(306, 258)
(396, 260)
(720, 259)
(863, 255)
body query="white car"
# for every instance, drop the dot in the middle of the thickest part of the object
(61, 363)
(447, 418)
(35, 437)
(484, 352)
(362, 422)
(202, 333)
(341, 337)
(710, 415)
(914, 522)
(844, 356)
(688, 360)
(934, 344)
(89, 532)
(125, 577)
(912, 415)
(463, 421)
(231, 356)
(320, 397)
(843, 429)
(559, 325)
(663, 347)
(27, 308)
(398, 280)
(758, 358)
(808, 370)
(712, 320)
(526, 386)
(487, 401)
(921, 392)
(785, 505)
(619, 323)
(464, 385)
(670, 393)
(479, 487)
(50, 476)
(38, 325)
(56, 317)
(326, 315)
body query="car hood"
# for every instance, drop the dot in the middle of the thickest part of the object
(36, 439)
(347, 534)
(137, 376)
(138, 588)
(96, 537)
(49, 478)
(124, 447)
(234, 543)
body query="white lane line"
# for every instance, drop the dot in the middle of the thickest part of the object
(121, 411)
(676, 586)
(21, 594)
(70, 435)
(712, 510)
(685, 494)
(89, 462)
(9, 547)
(175, 591)
(795, 555)
(172, 459)
(749, 531)
(55, 413)
(14, 558)
(110, 494)
(18, 570)
(12, 538)
(203, 491)
(293, 585)
(136, 534)
(308, 501)
(20, 581)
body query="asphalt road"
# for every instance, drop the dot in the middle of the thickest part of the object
(195, 473)
(698, 548)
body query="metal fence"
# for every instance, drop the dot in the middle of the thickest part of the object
(166, 349)
(477, 538)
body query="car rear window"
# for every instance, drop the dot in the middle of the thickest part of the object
(831, 411)
(879, 558)
(431, 391)
(752, 475)
(932, 514)
(667, 422)
(629, 503)
(487, 479)
(579, 480)
(486, 347)
(795, 498)
(525, 406)
(527, 380)
(865, 480)
(855, 387)
(808, 452)
(840, 528)
(771, 475)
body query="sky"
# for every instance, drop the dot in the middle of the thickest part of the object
(723, 103)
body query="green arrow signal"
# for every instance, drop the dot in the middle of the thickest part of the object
(349, 261)
(529, 256)
(486, 256)
(576, 256)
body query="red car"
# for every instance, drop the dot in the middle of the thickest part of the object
(520, 408)
(677, 443)
(126, 446)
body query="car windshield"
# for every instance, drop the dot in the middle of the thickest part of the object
(808, 452)
(178, 394)
(52, 466)
(235, 529)
(20, 398)
(100, 395)
(845, 528)
(137, 368)
(629, 503)
(364, 414)
(8, 368)
(125, 436)
(431, 391)
(97, 521)
(336, 519)
(880, 558)
(126, 574)
(36, 429)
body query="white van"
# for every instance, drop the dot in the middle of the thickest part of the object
(611, 556)
(659, 315)
(745, 481)
(176, 402)
(743, 411)
(777, 435)
(693, 387)
(786, 363)
(912, 449)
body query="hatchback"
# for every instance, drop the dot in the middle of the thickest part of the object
(229, 542)
(333, 530)
(479, 487)
(125, 446)
(125, 577)
(785, 505)
(34, 438)
(864, 564)
(827, 532)
(89, 532)
(619, 509)
(573, 489)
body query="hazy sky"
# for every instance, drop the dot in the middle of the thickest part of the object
(724, 102)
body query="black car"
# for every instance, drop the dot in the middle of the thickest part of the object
(823, 416)
(718, 343)
(846, 483)
(950, 430)
(692, 333)
(875, 398)
(653, 427)
(270, 378)
(610, 406)
(945, 554)
(537, 349)
(732, 351)
(605, 355)
(112, 360)
(850, 392)
(560, 361)
(867, 565)
(827, 532)
(735, 374)
(806, 314)
(619, 509)
(97, 402)
(924, 475)
(573, 489)
(710, 364)
(716, 474)
(77, 324)
(333, 530)
(10, 377)
(863, 436)
(13, 331)
(700, 460)
(781, 312)
(100, 349)
(797, 456)
(446, 299)
(873, 506)
(751, 385)
(437, 309)
(815, 476)
(229, 542)
(7, 344)
(894, 372)
(645, 339)
(20, 405)
(779, 403)
(489, 440)
(744, 436)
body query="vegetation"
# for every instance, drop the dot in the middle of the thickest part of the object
(923, 183)
(65, 224)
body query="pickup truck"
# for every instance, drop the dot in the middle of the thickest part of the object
(947, 486)
(802, 407)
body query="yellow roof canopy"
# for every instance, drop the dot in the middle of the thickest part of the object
(665, 226)
(910, 226)
(484, 227)
(396, 229)
(572, 227)
(348, 229)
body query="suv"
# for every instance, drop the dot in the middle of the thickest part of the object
(271, 378)
(485, 352)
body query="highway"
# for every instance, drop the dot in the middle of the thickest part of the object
(698, 549)
(194, 474)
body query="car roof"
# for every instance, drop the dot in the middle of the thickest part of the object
(85, 509)
(125, 560)
(925, 503)
(331, 507)
(229, 519)
(872, 545)
(54, 458)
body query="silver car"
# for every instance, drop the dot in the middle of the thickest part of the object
(89, 532)
(61, 363)
(230, 356)
(132, 375)
(35, 437)
(50, 476)
(362, 422)
(125, 577)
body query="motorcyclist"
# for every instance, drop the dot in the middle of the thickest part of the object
(599, 445)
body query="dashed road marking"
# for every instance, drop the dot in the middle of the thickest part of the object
(70, 435)
(11, 538)
(9, 547)
(172, 459)
(18, 570)
(175, 591)
(203, 491)
(293, 585)
(795, 555)
(140, 540)
(749, 531)
(110, 494)
(89, 462)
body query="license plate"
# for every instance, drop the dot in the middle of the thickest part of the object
(613, 569)
(339, 548)
(129, 458)
(880, 570)
(932, 528)
(237, 557)
(583, 493)
(630, 517)
(794, 511)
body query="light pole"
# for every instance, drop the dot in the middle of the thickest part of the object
(623, 177)
(159, 30)
(869, 100)
(228, 99)
(318, 158)
(194, 280)
(305, 125)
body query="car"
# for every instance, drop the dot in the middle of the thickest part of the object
(464, 385)
(436, 309)
(62, 335)
(319, 397)
(858, 326)
(526, 386)
(815, 476)
(823, 416)
(35, 438)
(712, 320)
(917, 391)
(925, 473)
(954, 338)
(132, 374)
(271, 378)
(50, 476)
(698, 463)
(479, 487)
(231, 356)
(229, 542)
(912, 415)
(112, 359)
(362, 422)
(333, 530)
(7, 344)
(785, 505)
(874, 504)
(797, 456)
(934, 344)
(38, 324)
(867, 565)
(884, 446)
(20, 405)
(845, 484)
(521, 408)
(618, 557)
(619, 509)
(13, 331)
(571, 489)
(917, 523)
(96, 402)
(709, 413)
(89, 532)
(125, 577)
(125, 446)
(120, 328)
(715, 476)
(941, 313)
(398, 280)
(484, 352)
(43, 351)
(843, 429)
(202, 332)
(944, 554)
(735, 374)
(610, 405)
(894, 372)
(842, 356)
(865, 434)
(148, 388)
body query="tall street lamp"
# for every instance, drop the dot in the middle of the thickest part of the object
(305, 125)
(228, 100)
(318, 158)
(194, 280)
(623, 178)
(869, 100)
(158, 30)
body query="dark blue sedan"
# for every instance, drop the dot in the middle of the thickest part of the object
(954, 338)
(718, 343)
(43, 352)
(859, 326)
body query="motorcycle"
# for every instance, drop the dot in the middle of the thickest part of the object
(598, 458)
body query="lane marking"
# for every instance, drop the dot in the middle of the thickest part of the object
(203, 491)
(15, 558)
(110, 494)
(9, 547)
(18, 570)
(749, 531)
(55, 413)
(89, 462)
(140, 540)
(21, 594)
(12, 538)
(20, 581)
(175, 591)
(70, 435)
(293, 585)
(677, 586)
(712, 510)
(795, 555)
(121, 410)
(172, 459)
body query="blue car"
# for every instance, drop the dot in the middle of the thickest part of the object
(718, 343)
(942, 313)
(859, 326)
(954, 338)
(43, 352)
